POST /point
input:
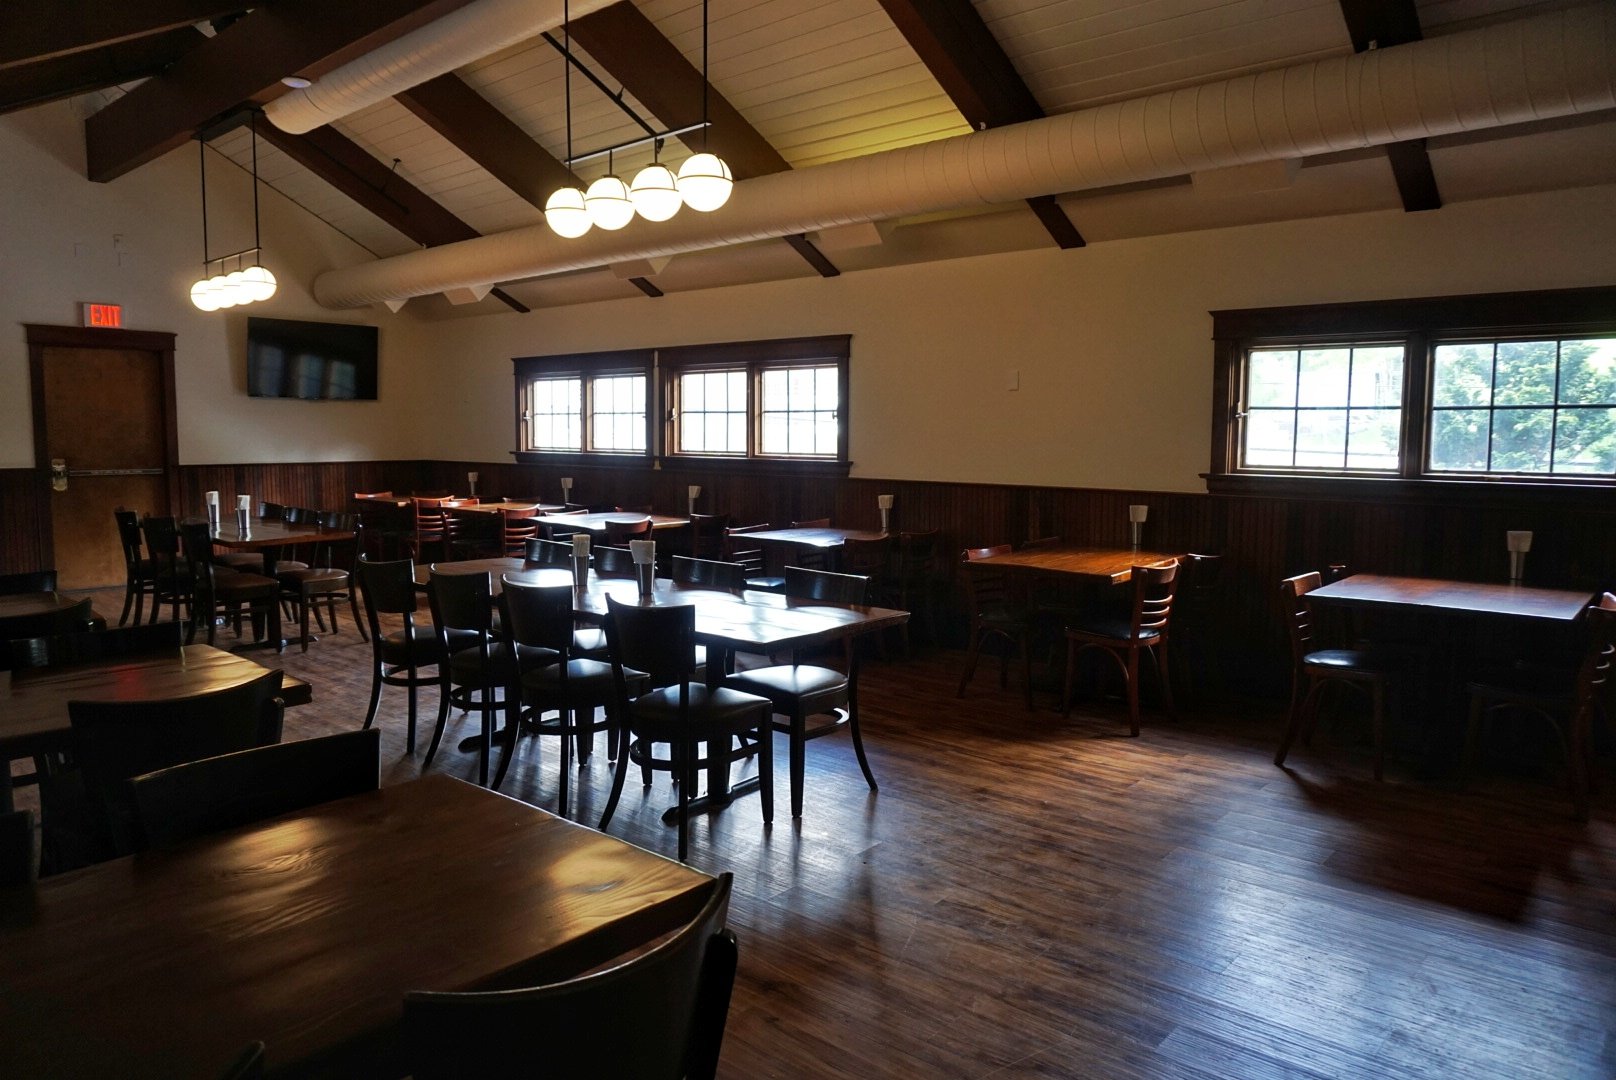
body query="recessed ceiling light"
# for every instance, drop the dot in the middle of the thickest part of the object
(297, 82)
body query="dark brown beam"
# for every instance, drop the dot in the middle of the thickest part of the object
(645, 287)
(352, 170)
(79, 73)
(812, 255)
(243, 62)
(40, 30)
(1380, 24)
(974, 71)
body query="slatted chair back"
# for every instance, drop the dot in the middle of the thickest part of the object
(709, 573)
(431, 523)
(674, 998)
(987, 590)
(128, 536)
(1154, 588)
(558, 531)
(707, 534)
(33, 581)
(216, 793)
(1593, 675)
(58, 650)
(870, 558)
(737, 549)
(518, 527)
(1299, 614)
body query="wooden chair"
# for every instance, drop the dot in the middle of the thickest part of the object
(140, 577)
(547, 552)
(398, 658)
(88, 812)
(798, 691)
(213, 794)
(660, 1014)
(16, 848)
(678, 710)
(997, 613)
(554, 531)
(706, 535)
(709, 573)
(1317, 668)
(88, 646)
(539, 618)
(612, 562)
(305, 588)
(1196, 620)
(619, 533)
(751, 557)
(171, 576)
(1566, 701)
(1145, 631)
(518, 526)
(218, 591)
(473, 534)
(431, 529)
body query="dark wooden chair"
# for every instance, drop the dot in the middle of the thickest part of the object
(16, 848)
(399, 658)
(323, 581)
(797, 691)
(216, 591)
(749, 554)
(431, 530)
(171, 576)
(612, 562)
(998, 613)
(140, 577)
(1143, 632)
(709, 573)
(1565, 700)
(679, 710)
(1196, 621)
(619, 533)
(88, 646)
(473, 534)
(914, 583)
(1315, 668)
(579, 690)
(547, 552)
(216, 793)
(558, 531)
(660, 1014)
(706, 535)
(88, 812)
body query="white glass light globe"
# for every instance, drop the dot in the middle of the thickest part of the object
(705, 182)
(258, 283)
(223, 294)
(608, 203)
(565, 213)
(202, 296)
(235, 282)
(655, 193)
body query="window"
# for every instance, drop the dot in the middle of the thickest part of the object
(1514, 387)
(757, 401)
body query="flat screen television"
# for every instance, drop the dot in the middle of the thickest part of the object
(313, 361)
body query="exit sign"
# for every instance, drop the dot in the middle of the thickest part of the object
(103, 315)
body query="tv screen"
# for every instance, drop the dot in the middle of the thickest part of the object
(311, 360)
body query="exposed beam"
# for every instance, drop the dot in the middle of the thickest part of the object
(812, 255)
(645, 287)
(355, 172)
(243, 62)
(493, 140)
(974, 71)
(40, 30)
(79, 73)
(1380, 24)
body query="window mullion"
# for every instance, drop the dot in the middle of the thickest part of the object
(1414, 433)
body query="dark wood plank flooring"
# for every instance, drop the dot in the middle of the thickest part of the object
(1032, 896)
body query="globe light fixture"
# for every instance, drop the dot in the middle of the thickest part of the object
(223, 295)
(202, 296)
(655, 193)
(239, 286)
(258, 283)
(566, 214)
(608, 203)
(705, 182)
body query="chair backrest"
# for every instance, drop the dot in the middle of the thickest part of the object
(430, 518)
(1593, 676)
(1153, 589)
(553, 531)
(710, 573)
(196, 542)
(115, 740)
(547, 552)
(460, 601)
(872, 558)
(162, 540)
(804, 584)
(271, 511)
(613, 562)
(707, 533)
(737, 549)
(619, 533)
(917, 553)
(25, 628)
(16, 848)
(57, 650)
(539, 615)
(658, 1016)
(985, 589)
(217, 793)
(389, 587)
(518, 526)
(32, 581)
(128, 535)
(1298, 613)
(660, 641)
(297, 515)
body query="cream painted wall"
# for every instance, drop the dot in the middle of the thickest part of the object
(137, 242)
(1112, 343)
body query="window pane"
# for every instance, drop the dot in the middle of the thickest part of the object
(1585, 441)
(554, 418)
(1271, 378)
(1521, 440)
(1462, 375)
(709, 401)
(1525, 373)
(1323, 378)
(1459, 440)
(1377, 377)
(617, 423)
(774, 434)
(1269, 434)
(1373, 436)
(1321, 438)
(1588, 372)
(797, 404)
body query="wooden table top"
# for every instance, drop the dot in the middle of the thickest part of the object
(822, 537)
(264, 533)
(33, 703)
(1094, 563)
(510, 504)
(24, 605)
(596, 523)
(307, 930)
(1458, 597)
(752, 621)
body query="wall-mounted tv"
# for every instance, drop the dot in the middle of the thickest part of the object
(311, 360)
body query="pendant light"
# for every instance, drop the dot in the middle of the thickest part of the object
(704, 179)
(608, 202)
(655, 191)
(243, 285)
(566, 211)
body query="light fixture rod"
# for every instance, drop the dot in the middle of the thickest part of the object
(642, 140)
(252, 126)
(232, 255)
(202, 163)
(615, 95)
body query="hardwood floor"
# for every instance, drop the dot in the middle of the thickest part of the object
(1029, 896)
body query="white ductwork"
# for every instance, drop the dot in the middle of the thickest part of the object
(1557, 64)
(471, 33)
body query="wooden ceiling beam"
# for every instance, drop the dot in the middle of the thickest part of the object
(355, 172)
(1380, 24)
(244, 62)
(80, 72)
(40, 30)
(974, 71)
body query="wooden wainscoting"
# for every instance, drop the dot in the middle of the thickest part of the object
(318, 485)
(23, 511)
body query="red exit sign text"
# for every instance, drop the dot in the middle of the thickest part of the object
(104, 315)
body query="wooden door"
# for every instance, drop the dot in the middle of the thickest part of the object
(103, 411)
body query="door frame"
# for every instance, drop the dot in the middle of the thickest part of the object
(41, 337)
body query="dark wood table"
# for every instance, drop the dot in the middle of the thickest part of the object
(306, 931)
(751, 622)
(596, 523)
(20, 606)
(1105, 565)
(823, 538)
(509, 504)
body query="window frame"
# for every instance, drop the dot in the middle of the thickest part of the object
(586, 367)
(1419, 325)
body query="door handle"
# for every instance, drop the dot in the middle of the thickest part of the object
(113, 472)
(58, 468)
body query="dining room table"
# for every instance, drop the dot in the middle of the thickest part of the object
(726, 622)
(17, 609)
(595, 524)
(1094, 564)
(270, 536)
(305, 932)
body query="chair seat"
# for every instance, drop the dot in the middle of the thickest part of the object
(587, 681)
(395, 647)
(1346, 661)
(788, 685)
(656, 714)
(227, 587)
(282, 565)
(1113, 629)
(241, 560)
(466, 665)
(313, 579)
